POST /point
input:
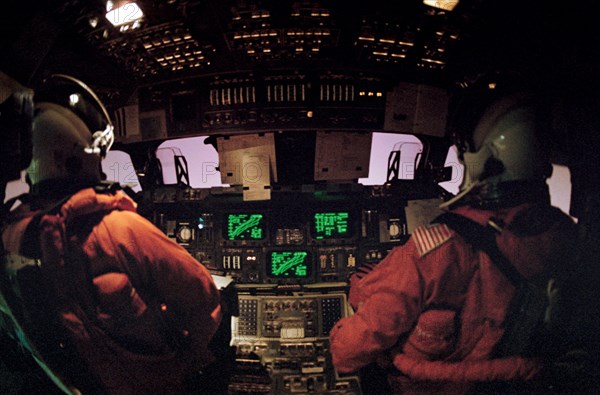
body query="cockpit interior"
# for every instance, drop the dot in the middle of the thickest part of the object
(288, 144)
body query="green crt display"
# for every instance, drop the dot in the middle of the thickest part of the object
(331, 225)
(245, 227)
(289, 264)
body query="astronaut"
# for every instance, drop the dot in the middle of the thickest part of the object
(137, 311)
(434, 311)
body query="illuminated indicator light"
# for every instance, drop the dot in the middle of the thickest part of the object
(367, 38)
(383, 40)
(408, 44)
(73, 99)
(398, 55)
(351, 261)
(236, 263)
(331, 225)
(492, 85)
(379, 94)
(432, 61)
(226, 262)
(309, 114)
(290, 264)
(361, 93)
(380, 53)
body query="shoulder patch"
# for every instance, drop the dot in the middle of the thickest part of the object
(428, 238)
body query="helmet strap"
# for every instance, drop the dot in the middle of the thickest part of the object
(508, 194)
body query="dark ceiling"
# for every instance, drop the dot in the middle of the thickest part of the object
(182, 38)
(185, 46)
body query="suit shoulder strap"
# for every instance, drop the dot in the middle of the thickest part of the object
(483, 238)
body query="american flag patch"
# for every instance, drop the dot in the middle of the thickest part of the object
(430, 237)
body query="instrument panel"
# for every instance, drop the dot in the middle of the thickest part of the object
(275, 244)
(291, 258)
(288, 337)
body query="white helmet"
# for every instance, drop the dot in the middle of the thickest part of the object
(72, 132)
(505, 166)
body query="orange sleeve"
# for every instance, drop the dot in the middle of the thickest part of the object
(391, 300)
(160, 268)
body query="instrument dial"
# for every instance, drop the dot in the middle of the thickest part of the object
(184, 234)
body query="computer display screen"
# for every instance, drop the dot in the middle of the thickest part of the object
(289, 264)
(331, 225)
(246, 226)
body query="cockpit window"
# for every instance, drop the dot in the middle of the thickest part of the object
(382, 145)
(560, 187)
(118, 167)
(202, 159)
(453, 185)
